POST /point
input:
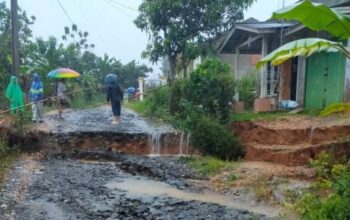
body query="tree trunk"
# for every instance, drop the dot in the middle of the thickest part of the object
(172, 72)
(184, 69)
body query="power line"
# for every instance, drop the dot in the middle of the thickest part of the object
(89, 23)
(119, 9)
(123, 5)
(65, 12)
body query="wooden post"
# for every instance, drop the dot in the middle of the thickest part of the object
(141, 81)
(264, 68)
(15, 38)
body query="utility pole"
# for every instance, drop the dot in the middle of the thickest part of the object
(15, 38)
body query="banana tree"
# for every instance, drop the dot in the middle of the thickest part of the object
(317, 17)
(303, 47)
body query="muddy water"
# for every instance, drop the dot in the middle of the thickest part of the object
(115, 185)
(143, 187)
(75, 189)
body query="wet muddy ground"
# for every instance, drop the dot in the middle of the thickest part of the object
(124, 187)
(102, 183)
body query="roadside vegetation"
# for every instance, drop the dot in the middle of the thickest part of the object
(200, 105)
(208, 166)
(329, 195)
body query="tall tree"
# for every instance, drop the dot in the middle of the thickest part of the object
(175, 27)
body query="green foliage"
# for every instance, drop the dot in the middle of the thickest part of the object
(247, 87)
(210, 89)
(208, 166)
(318, 18)
(252, 116)
(302, 47)
(211, 138)
(329, 198)
(199, 105)
(335, 109)
(307, 12)
(180, 27)
(232, 177)
(21, 118)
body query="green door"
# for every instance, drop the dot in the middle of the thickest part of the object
(325, 75)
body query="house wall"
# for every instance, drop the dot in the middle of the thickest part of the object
(301, 81)
(246, 63)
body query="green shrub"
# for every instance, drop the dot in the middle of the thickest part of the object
(247, 87)
(21, 118)
(335, 108)
(214, 139)
(329, 197)
(209, 89)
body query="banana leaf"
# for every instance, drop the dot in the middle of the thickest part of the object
(303, 47)
(317, 17)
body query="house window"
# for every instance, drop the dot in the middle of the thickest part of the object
(272, 81)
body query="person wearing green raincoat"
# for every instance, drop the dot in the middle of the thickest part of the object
(15, 95)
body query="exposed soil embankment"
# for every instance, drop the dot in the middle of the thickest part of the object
(92, 129)
(293, 140)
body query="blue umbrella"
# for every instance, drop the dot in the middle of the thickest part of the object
(131, 90)
(111, 79)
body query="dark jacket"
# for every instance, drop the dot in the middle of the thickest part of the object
(114, 93)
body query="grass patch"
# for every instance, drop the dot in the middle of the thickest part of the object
(80, 102)
(270, 116)
(251, 116)
(139, 107)
(207, 166)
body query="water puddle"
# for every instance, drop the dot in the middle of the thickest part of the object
(145, 187)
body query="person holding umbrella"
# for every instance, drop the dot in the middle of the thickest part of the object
(62, 99)
(36, 95)
(62, 74)
(114, 96)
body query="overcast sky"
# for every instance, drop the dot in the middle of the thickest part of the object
(110, 22)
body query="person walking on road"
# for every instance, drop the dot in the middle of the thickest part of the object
(36, 95)
(114, 96)
(61, 96)
(15, 95)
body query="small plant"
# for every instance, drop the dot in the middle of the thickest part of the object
(207, 166)
(232, 177)
(263, 189)
(336, 109)
(329, 197)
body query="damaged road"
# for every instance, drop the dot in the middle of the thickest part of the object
(79, 179)
(76, 188)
